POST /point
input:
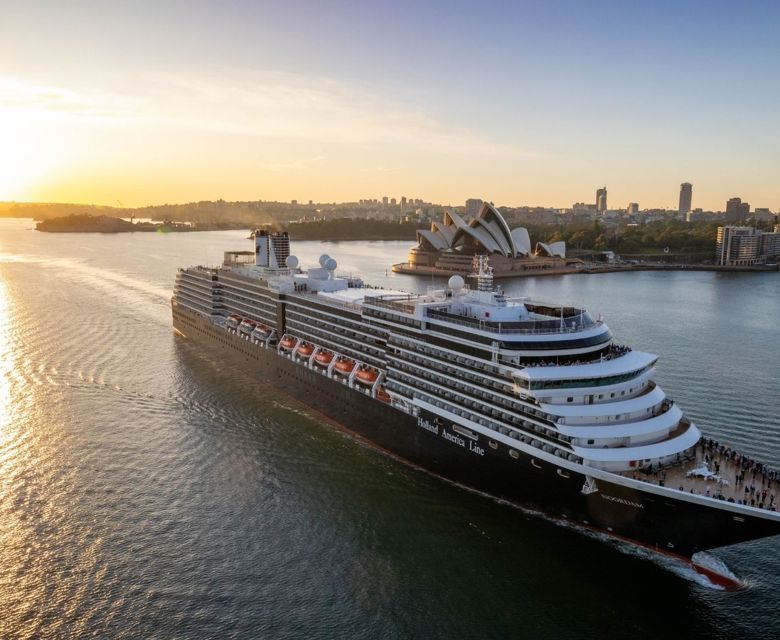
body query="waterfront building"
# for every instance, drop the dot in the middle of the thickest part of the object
(601, 200)
(686, 197)
(633, 208)
(449, 246)
(770, 243)
(738, 246)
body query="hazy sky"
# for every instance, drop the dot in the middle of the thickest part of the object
(515, 102)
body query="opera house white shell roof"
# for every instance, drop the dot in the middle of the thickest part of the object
(489, 232)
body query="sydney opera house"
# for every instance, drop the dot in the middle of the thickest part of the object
(450, 246)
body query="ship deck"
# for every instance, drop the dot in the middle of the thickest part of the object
(720, 473)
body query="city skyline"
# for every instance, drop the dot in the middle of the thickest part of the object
(522, 104)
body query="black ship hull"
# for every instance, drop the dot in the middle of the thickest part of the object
(662, 522)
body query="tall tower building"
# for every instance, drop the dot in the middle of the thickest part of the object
(473, 205)
(601, 200)
(735, 209)
(686, 196)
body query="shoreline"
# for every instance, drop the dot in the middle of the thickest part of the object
(403, 268)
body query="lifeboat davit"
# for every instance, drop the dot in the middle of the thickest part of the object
(288, 343)
(305, 350)
(366, 376)
(323, 358)
(344, 365)
(382, 395)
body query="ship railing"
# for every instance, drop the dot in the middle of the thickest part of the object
(403, 303)
(533, 327)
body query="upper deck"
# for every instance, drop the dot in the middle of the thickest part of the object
(498, 315)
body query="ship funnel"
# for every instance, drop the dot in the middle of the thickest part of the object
(483, 273)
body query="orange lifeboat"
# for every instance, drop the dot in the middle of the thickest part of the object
(366, 376)
(344, 365)
(288, 343)
(323, 358)
(247, 326)
(305, 350)
(382, 395)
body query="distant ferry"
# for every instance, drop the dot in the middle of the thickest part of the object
(527, 401)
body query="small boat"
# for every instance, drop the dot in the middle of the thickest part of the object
(382, 395)
(261, 332)
(305, 350)
(232, 321)
(344, 365)
(323, 358)
(288, 343)
(365, 375)
(247, 326)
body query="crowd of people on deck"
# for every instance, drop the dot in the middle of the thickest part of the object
(759, 480)
(614, 351)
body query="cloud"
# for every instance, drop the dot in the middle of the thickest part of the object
(265, 105)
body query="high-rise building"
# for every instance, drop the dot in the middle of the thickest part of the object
(384, 201)
(403, 202)
(737, 210)
(770, 243)
(633, 208)
(738, 246)
(601, 200)
(393, 202)
(686, 196)
(473, 205)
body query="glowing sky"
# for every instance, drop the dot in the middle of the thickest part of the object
(516, 102)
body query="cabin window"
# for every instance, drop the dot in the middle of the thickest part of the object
(591, 441)
(569, 399)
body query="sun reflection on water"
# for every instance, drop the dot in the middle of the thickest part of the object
(7, 364)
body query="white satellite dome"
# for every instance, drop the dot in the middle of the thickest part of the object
(456, 283)
(330, 264)
(292, 262)
(323, 259)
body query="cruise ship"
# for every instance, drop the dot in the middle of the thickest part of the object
(530, 402)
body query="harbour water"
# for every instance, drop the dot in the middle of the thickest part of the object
(146, 490)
